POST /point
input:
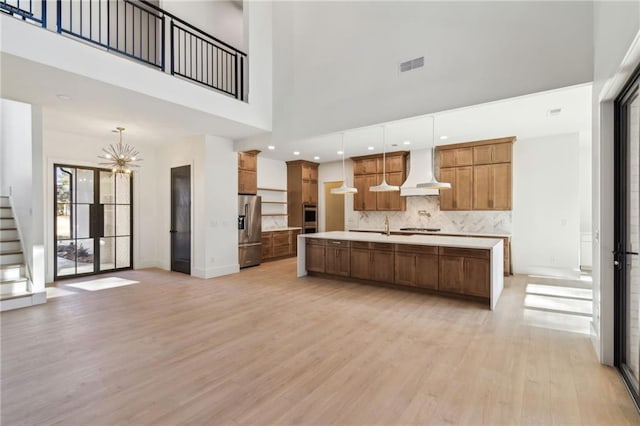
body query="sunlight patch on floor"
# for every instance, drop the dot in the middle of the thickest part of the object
(571, 306)
(101, 284)
(559, 291)
(557, 321)
(53, 292)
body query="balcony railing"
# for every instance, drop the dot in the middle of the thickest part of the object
(142, 31)
(27, 10)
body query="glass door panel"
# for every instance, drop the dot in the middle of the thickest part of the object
(92, 221)
(627, 237)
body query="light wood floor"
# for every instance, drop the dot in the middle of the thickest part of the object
(262, 347)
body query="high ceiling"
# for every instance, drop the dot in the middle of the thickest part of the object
(96, 108)
(525, 117)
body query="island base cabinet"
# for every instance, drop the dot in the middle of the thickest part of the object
(465, 271)
(427, 271)
(477, 276)
(360, 261)
(337, 258)
(382, 266)
(315, 255)
(451, 271)
(373, 263)
(416, 270)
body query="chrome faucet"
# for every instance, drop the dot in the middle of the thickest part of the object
(386, 226)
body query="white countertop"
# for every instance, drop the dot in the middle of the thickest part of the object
(443, 233)
(290, 228)
(425, 240)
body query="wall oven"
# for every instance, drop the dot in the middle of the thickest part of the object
(309, 219)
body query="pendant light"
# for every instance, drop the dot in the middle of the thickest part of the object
(344, 189)
(433, 183)
(119, 158)
(384, 186)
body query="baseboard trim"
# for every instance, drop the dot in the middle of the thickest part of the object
(215, 272)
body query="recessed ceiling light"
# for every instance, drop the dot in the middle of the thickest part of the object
(296, 152)
(63, 97)
(271, 147)
(316, 158)
(340, 152)
(444, 137)
(407, 142)
(554, 111)
(371, 148)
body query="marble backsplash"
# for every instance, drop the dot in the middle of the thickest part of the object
(424, 212)
(273, 222)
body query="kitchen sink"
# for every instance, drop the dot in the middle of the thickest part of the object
(421, 229)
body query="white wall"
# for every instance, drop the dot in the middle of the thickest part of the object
(220, 18)
(332, 172)
(475, 52)
(616, 26)
(214, 182)
(546, 205)
(72, 149)
(21, 179)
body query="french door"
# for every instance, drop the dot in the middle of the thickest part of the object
(627, 235)
(93, 223)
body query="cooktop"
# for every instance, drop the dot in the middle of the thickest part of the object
(421, 229)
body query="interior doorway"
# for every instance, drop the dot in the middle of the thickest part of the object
(181, 219)
(627, 235)
(93, 225)
(333, 208)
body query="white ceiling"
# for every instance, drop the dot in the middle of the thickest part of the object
(525, 117)
(97, 108)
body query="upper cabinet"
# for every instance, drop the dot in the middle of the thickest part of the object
(302, 188)
(492, 154)
(480, 174)
(456, 157)
(367, 171)
(248, 172)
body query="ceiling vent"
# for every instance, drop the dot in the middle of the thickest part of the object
(412, 64)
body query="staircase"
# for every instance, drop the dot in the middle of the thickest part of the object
(14, 284)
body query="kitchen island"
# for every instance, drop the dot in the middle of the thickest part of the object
(456, 266)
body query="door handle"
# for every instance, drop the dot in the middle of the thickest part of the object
(173, 231)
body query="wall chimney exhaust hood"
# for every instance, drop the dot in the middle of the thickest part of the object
(419, 162)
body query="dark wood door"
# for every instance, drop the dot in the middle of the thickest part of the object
(427, 271)
(451, 272)
(181, 219)
(477, 277)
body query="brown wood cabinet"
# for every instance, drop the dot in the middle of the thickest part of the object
(416, 266)
(315, 255)
(456, 157)
(365, 200)
(492, 187)
(248, 172)
(367, 172)
(337, 260)
(480, 174)
(464, 271)
(460, 196)
(279, 244)
(302, 189)
(492, 154)
(372, 261)
(453, 270)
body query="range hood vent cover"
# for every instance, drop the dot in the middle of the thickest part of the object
(419, 164)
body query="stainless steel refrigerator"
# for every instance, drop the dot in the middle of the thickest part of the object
(249, 230)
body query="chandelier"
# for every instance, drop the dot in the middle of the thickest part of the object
(121, 157)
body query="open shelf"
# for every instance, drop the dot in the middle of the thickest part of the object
(274, 202)
(272, 189)
(274, 214)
